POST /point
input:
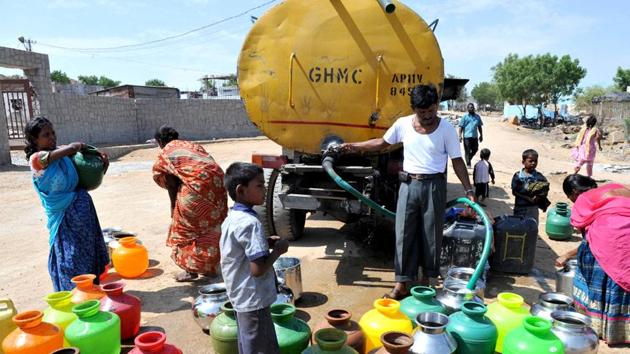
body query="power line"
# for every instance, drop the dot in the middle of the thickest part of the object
(104, 49)
(145, 63)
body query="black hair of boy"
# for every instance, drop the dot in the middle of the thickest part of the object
(423, 96)
(240, 173)
(484, 154)
(530, 153)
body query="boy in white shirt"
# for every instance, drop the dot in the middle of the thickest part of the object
(246, 263)
(482, 175)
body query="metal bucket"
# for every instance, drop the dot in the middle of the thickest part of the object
(289, 274)
(461, 275)
(564, 277)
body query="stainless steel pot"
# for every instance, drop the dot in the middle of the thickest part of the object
(207, 305)
(461, 275)
(453, 296)
(431, 337)
(564, 277)
(289, 274)
(550, 302)
(575, 332)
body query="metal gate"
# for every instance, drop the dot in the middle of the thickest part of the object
(17, 96)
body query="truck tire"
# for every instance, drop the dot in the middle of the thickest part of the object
(276, 220)
(265, 217)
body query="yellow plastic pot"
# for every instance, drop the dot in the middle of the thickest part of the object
(507, 313)
(384, 317)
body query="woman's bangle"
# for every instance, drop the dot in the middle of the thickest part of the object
(469, 191)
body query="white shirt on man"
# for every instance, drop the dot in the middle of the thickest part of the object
(424, 153)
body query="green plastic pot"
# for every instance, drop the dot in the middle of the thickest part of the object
(330, 341)
(507, 313)
(558, 225)
(293, 334)
(474, 332)
(94, 331)
(422, 299)
(90, 167)
(534, 336)
(224, 331)
(59, 311)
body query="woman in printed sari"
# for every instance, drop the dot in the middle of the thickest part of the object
(601, 287)
(198, 203)
(76, 242)
(585, 150)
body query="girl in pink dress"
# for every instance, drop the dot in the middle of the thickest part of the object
(585, 150)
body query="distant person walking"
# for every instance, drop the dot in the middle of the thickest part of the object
(471, 133)
(585, 150)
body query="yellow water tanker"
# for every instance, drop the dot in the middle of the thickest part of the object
(312, 69)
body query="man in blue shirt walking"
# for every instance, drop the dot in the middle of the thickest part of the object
(468, 127)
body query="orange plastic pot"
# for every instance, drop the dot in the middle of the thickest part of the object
(85, 289)
(32, 335)
(130, 259)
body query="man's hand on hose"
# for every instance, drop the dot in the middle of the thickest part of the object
(347, 147)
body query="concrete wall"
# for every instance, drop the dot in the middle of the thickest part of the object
(111, 120)
(37, 70)
(94, 120)
(195, 119)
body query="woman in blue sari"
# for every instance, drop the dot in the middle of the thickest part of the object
(76, 241)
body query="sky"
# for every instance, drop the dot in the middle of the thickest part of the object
(474, 35)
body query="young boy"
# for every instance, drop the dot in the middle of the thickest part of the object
(246, 263)
(482, 175)
(529, 187)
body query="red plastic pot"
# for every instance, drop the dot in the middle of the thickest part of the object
(153, 343)
(127, 307)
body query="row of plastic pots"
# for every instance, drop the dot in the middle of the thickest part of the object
(505, 326)
(472, 330)
(91, 318)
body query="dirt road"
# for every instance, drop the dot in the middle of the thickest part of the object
(337, 271)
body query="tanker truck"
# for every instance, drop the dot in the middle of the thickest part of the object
(314, 74)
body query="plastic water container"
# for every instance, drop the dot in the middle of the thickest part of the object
(462, 244)
(514, 243)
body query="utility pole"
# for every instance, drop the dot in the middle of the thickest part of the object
(27, 42)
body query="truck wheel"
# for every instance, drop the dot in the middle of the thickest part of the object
(265, 217)
(288, 224)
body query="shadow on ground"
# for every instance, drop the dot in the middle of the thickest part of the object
(154, 301)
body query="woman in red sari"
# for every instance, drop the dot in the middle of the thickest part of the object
(198, 203)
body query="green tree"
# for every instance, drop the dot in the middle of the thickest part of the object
(89, 80)
(622, 79)
(558, 77)
(107, 82)
(232, 81)
(155, 82)
(516, 82)
(209, 86)
(59, 77)
(486, 93)
(463, 96)
(584, 96)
